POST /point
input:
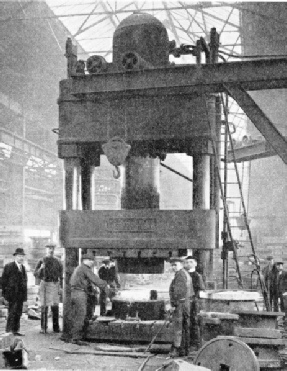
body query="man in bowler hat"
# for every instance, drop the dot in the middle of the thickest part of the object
(14, 290)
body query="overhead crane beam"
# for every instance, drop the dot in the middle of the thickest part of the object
(186, 79)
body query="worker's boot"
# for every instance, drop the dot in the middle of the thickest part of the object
(103, 305)
(44, 319)
(55, 316)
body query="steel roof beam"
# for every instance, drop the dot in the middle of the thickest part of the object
(226, 22)
(114, 23)
(171, 23)
(86, 20)
(188, 33)
(190, 15)
(107, 16)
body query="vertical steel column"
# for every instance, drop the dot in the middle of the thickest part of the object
(205, 185)
(201, 182)
(72, 187)
(87, 185)
(201, 200)
(225, 233)
(141, 183)
(140, 190)
(215, 163)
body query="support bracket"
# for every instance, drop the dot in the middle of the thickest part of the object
(259, 119)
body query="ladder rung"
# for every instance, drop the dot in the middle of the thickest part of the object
(232, 197)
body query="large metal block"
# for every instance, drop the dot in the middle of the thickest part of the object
(131, 331)
(135, 119)
(144, 309)
(149, 232)
(257, 319)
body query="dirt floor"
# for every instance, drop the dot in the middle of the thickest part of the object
(48, 352)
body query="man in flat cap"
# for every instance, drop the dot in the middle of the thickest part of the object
(190, 264)
(50, 272)
(81, 279)
(14, 290)
(180, 292)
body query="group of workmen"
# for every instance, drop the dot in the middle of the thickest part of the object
(84, 283)
(275, 283)
(49, 274)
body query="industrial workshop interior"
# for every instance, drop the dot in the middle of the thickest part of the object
(143, 152)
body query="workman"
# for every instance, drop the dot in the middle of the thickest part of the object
(274, 296)
(282, 285)
(92, 301)
(269, 273)
(190, 265)
(108, 273)
(14, 290)
(81, 279)
(180, 292)
(50, 272)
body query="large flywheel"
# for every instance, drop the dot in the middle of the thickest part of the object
(222, 354)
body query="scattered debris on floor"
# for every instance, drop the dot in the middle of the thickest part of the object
(181, 365)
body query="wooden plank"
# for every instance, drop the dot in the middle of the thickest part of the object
(271, 363)
(220, 315)
(260, 313)
(254, 319)
(101, 353)
(264, 352)
(251, 332)
(261, 341)
(211, 321)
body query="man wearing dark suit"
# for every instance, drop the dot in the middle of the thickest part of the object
(282, 285)
(108, 273)
(198, 285)
(14, 290)
(180, 292)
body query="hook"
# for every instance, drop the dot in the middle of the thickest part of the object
(116, 172)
